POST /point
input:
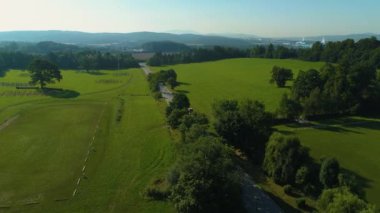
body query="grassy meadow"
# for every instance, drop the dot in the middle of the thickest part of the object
(234, 79)
(354, 141)
(103, 128)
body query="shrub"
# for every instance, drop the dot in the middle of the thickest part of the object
(155, 193)
(301, 203)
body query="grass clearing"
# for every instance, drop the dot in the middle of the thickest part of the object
(233, 79)
(43, 150)
(354, 141)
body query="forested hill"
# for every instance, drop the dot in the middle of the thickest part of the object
(126, 39)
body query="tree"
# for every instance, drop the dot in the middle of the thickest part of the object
(289, 108)
(305, 83)
(193, 125)
(228, 122)
(281, 75)
(283, 157)
(343, 201)
(175, 116)
(329, 172)
(44, 72)
(207, 179)
(180, 101)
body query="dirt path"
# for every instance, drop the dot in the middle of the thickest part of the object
(165, 92)
(8, 122)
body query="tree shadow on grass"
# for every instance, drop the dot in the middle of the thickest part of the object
(362, 183)
(94, 72)
(182, 91)
(183, 83)
(60, 93)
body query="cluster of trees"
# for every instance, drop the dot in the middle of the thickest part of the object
(335, 89)
(288, 163)
(87, 60)
(163, 77)
(92, 60)
(245, 125)
(342, 52)
(205, 177)
(197, 55)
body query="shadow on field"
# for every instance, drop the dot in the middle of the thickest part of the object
(340, 125)
(60, 93)
(95, 72)
(183, 83)
(362, 183)
(182, 91)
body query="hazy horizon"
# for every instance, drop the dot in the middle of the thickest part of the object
(294, 18)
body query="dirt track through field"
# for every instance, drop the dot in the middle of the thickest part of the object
(8, 122)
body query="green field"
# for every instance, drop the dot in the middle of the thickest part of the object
(234, 79)
(46, 140)
(354, 141)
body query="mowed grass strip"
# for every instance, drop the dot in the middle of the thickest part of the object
(234, 79)
(354, 141)
(42, 152)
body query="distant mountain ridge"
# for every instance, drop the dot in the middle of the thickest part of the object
(127, 39)
(135, 40)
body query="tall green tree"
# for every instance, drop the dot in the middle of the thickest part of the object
(207, 179)
(280, 75)
(329, 172)
(43, 72)
(283, 157)
(343, 201)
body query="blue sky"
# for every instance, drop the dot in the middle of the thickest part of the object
(260, 17)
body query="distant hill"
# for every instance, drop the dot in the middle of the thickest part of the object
(164, 46)
(38, 48)
(132, 40)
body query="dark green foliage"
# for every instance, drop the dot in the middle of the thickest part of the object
(164, 46)
(289, 108)
(283, 157)
(180, 101)
(288, 189)
(329, 172)
(175, 117)
(43, 72)
(155, 193)
(193, 126)
(197, 55)
(281, 75)
(301, 203)
(350, 181)
(168, 77)
(303, 176)
(342, 200)
(245, 125)
(305, 83)
(206, 178)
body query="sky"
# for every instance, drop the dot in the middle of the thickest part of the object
(271, 18)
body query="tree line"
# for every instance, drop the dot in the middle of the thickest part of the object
(342, 52)
(86, 60)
